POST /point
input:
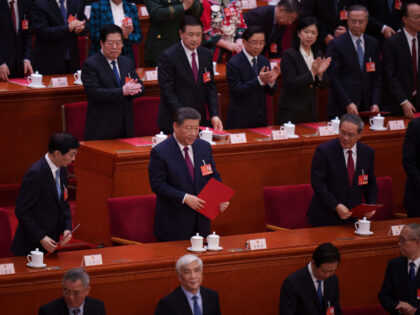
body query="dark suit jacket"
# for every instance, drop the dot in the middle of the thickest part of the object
(109, 112)
(330, 182)
(398, 74)
(178, 88)
(379, 15)
(395, 286)
(176, 303)
(299, 89)
(348, 83)
(39, 211)
(247, 106)
(411, 163)
(59, 307)
(299, 297)
(53, 38)
(14, 47)
(264, 16)
(170, 180)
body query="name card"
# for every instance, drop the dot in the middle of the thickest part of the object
(279, 135)
(259, 243)
(237, 138)
(396, 125)
(249, 4)
(395, 230)
(326, 130)
(59, 82)
(92, 260)
(7, 269)
(275, 63)
(151, 75)
(143, 11)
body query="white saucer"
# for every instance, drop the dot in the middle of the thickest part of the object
(197, 250)
(363, 234)
(217, 73)
(212, 143)
(293, 136)
(377, 129)
(36, 86)
(41, 266)
(214, 249)
(78, 82)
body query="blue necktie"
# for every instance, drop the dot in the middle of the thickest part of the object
(63, 11)
(390, 5)
(255, 66)
(360, 53)
(197, 310)
(57, 183)
(412, 274)
(114, 68)
(319, 291)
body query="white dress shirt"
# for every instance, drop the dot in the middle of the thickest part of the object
(353, 154)
(189, 56)
(117, 13)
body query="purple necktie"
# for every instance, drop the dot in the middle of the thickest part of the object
(189, 163)
(350, 167)
(194, 67)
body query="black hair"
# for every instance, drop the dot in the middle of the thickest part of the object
(325, 253)
(251, 30)
(304, 23)
(110, 29)
(186, 113)
(62, 142)
(190, 20)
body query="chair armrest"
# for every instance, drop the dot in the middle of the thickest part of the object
(276, 228)
(123, 241)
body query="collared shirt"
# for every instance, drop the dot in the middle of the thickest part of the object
(315, 280)
(189, 296)
(410, 43)
(416, 262)
(250, 57)
(80, 308)
(110, 64)
(190, 153)
(52, 166)
(309, 59)
(189, 55)
(355, 38)
(353, 154)
(15, 8)
(117, 13)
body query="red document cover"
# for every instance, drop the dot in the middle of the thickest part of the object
(20, 81)
(138, 142)
(370, 114)
(216, 132)
(213, 194)
(314, 125)
(265, 131)
(416, 115)
(360, 210)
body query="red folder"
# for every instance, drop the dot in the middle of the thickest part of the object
(265, 131)
(314, 125)
(138, 142)
(213, 194)
(360, 210)
(216, 132)
(370, 114)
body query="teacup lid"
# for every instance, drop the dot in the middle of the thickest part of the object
(289, 123)
(36, 251)
(214, 235)
(364, 220)
(197, 236)
(336, 119)
(378, 116)
(36, 74)
(161, 134)
(207, 130)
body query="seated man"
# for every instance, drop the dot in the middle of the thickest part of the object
(400, 289)
(336, 168)
(75, 300)
(314, 288)
(190, 297)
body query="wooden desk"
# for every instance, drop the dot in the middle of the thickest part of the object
(113, 168)
(134, 278)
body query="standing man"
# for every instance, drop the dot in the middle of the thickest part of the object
(274, 20)
(250, 79)
(111, 83)
(336, 168)
(190, 297)
(186, 77)
(75, 300)
(56, 25)
(411, 163)
(355, 70)
(176, 177)
(314, 288)
(400, 62)
(165, 18)
(400, 289)
(42, 208)
(15, 39)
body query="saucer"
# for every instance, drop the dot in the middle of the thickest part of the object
(217, 73)
(377, 129)
(293, 136)
(36, 86)
(32, 266)
(78, 82)
(201, 250)
(214, 249)
(212, 143)
(363, 234)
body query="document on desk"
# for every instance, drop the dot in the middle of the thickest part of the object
(360, 210)
(213, 194)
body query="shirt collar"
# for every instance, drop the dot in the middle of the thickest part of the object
(52, 166)
(409, 36)
(187, 51)
(311, 273)
(80, 308)
(416, 261)
(354, 38)
(189, 295)
(182, 146)
(109, 60)
(353, 149)
(304, 54)
(249, 56)
(112, 4)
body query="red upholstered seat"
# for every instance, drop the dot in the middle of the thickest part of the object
(145, 116)
(131, 218)
(364, 310)
(74, 118)
(287, 206)
(5, 234)
(385, 197)
(8, 194)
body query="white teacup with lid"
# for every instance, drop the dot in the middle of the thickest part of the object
(213, 241)
(78, 76)
(197, 242)
(159, 138)
(290, 128)
(35, 79)
(362, 226)
(377, 122)
(36, 258)
(335, 123)
(206, 135)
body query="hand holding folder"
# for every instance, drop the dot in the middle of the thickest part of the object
(360, 210)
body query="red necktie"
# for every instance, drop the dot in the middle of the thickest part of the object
(414, 58)
(188, 162)
(350, 167)
(12, 12)
(194, 67)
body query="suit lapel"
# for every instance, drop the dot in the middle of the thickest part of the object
(185, 63)
(310, 287)
(184, 306)
(50, 179)
(107, 68)
(352, 50)
(56, 11)
(123, 69)
(180, 160)
(341, 162)
(406, 53)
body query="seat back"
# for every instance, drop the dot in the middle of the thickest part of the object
(385, 197)
(287, 206)
(74, 119)
(145, 116)
(132, 218)
(5, 234)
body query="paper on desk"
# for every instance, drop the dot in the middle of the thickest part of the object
(138, 142)
(360, 210)
(19, 81)
(213, 194)
(314, 125)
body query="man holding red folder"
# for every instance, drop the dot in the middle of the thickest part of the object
(179, 168)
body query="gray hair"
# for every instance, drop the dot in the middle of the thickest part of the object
(354, 119)
(186, 260)
(414, 230)
(358, 7)
(75, 274)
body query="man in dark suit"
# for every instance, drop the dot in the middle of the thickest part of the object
(400, 62)
(190, 298)
(400, 289)
(250, 79)
(355, 71)
(176, 177)
(186, 77)
(384, 18)
(335, 176)
(15, 39)
(42, 208)
(314, 288)
(75, 300)
(55, 48)
(411, 163)
(274, 20)
(111, 83)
